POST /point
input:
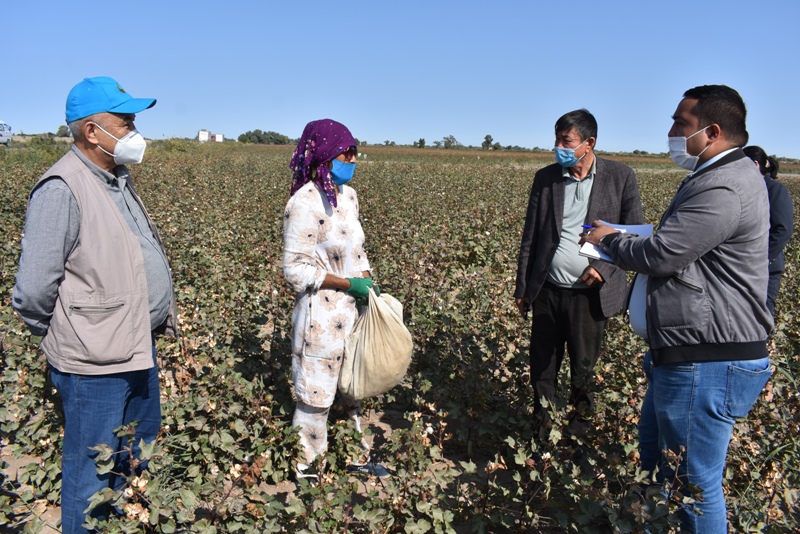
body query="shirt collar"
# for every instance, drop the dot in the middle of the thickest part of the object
(565, 172)
(115, 178)
(712, 160)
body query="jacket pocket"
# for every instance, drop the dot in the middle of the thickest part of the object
(102, 327)
(680, 302)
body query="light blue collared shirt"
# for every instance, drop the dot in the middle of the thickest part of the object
(568, 266)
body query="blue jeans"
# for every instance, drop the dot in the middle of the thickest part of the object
(94, 405)
(696, 405)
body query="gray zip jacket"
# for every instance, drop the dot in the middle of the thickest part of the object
(707, 263)
(98, 319)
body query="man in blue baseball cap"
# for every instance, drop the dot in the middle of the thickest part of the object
(94, 281)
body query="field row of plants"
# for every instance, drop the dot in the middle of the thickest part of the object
(442, 230)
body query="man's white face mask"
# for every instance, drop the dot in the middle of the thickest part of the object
(678, 153)
(129, 149)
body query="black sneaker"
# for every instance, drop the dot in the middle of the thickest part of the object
(371, 469)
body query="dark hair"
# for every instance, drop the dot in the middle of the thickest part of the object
(766, 164)
(581, 120)
(723, 106)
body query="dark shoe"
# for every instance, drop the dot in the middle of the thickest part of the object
(579, 426)
(371, 469)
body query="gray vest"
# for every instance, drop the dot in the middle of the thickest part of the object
(101, 320)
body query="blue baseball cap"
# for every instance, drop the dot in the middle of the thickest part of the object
(102, 94)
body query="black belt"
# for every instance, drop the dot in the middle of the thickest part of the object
(551, 285)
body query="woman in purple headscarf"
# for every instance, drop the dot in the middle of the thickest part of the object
(325, 262)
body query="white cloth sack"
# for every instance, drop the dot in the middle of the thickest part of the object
(637, 307)
(378, 350)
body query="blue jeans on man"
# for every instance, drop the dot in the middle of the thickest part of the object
(695, 405)
(95, 405)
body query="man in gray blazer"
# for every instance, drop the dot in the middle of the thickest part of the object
(571, 296)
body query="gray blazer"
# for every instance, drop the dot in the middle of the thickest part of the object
(614, 198)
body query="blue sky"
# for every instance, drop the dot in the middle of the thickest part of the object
(401, 71)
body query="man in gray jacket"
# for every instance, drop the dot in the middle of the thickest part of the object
(707, 320)
(94, 281)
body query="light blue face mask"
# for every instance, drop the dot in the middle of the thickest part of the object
(342, 172)
(566, 156)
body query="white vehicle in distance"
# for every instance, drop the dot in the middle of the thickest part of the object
(5, 133)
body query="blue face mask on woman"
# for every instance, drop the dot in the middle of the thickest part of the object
(342, 172)
(566, 156)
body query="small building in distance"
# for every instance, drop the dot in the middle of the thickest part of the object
(204, 136)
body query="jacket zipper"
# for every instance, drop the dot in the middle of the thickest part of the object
(95, 309)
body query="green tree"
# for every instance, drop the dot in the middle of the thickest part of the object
(274, 138)
(421, 142)
(450, 142)
(487, 142)
(63, 131)
(264, 138)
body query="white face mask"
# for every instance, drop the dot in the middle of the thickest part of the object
(678, 154)
(129, 149)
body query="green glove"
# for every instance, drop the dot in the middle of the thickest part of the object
(359, 287)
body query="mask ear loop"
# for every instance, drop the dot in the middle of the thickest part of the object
(697, 132)
(108, 134)
(584, 154)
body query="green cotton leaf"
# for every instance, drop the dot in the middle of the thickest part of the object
(147, 449)
(104, 452)
(520, 457)
(198, 423)
(278, 476)
(240, 427)
(188, 497)
(168, 527)
(438, 515)
(418, 527)
(193, 471)
(469, 467)
(104, 465)
(101, 497)
(296, 507)
(226, 439)
(154, 514)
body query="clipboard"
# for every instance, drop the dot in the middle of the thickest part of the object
(594, 252)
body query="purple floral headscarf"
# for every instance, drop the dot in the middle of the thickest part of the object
(322, 141)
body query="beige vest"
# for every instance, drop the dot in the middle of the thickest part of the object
(101, 320)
